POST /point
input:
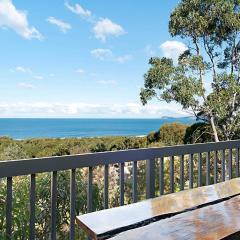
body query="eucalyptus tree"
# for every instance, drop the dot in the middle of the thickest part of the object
(206, 78)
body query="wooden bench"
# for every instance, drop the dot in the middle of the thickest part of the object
(217, 221)
(107, 223)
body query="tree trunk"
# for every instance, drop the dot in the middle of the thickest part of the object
(227, 173)
(214, 129)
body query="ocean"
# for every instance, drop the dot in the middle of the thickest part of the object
(23, 128)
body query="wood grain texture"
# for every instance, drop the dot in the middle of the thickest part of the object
(119, 219)
(218, 221)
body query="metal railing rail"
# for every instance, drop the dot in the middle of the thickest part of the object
(10, 169)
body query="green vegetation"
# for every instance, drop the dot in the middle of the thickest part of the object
(21, 149)
(35, 148)
(168, 134)
(212, 29)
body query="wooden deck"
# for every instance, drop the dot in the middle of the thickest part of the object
(153, 213)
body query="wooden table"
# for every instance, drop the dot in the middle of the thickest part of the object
(201, 213)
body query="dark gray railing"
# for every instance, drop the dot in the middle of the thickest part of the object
(10, 169)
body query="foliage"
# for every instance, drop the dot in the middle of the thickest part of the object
(13, 151)
(172, 133)
(198, 133)
(168, 134)
(212, 29)
(30, 148)
(21, 149)
(153, 137)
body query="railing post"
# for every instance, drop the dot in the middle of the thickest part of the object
(190, 171)
(53, 204)
(32, 206)
(182, 182)
(134, 181)
(72, 203)
(90, 190)
(150, 178)
(208, 158)
(105, 196)
(215, 167)
(199, 169)
(237, 162)
(121, 182)
(171, 174)
(9, 208)
(223, 165)
(230, 164)
(161, 176)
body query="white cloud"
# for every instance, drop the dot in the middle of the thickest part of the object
(172, 49)
(105, 54)
(38, 77)
(102, 27)
(80, 71)
(16, 20)
(107, 82)
(28, 71)
(123, 59)
(102, 54)
(105, 28)
(80, 109)
(23, 69)
(63, 26)
(79, 10)
(26, 85)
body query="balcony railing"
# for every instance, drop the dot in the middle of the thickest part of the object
(215, 162)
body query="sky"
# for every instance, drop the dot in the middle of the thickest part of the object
(82, 58)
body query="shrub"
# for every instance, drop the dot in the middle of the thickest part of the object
(198, 133)
(153, 137)
(173, 133)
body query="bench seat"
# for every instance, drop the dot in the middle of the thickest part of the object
(105, 223)
(214, 222)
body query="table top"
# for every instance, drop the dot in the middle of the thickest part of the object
(111, 221)
(217, 221)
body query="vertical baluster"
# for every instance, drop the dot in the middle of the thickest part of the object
(172, 174)
(90, 190)
(134, 172)
(182, 183)
(215, 168)
(106, 186)
(53, 204)
(190, 170)
(121, 184)
(223, 165)
(208, 158)
(150, 178)
(199, 169)
(230, 164)
(237, 162)
(161, 176)
(9, 209)
(32, 206)
(72, 203)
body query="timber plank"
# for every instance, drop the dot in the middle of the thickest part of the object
(105, 223)
(214, 222)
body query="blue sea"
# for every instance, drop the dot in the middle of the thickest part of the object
(63, 128)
